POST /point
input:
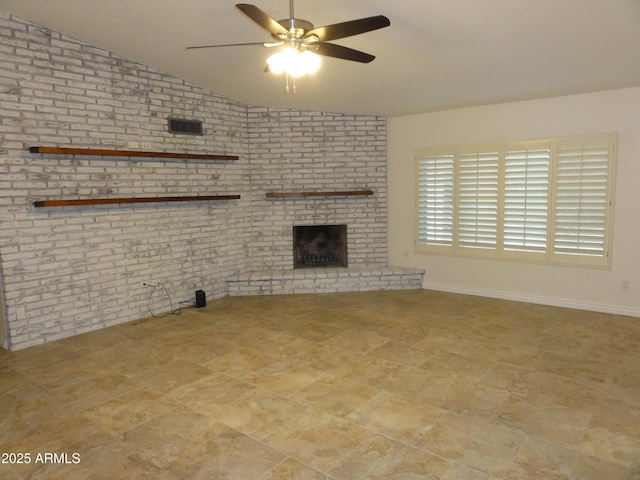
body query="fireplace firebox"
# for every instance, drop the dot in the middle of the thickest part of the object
(319, 246)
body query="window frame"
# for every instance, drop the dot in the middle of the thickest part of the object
(530, 252)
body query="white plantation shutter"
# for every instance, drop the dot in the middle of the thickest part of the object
(526, 199)
(435, 199)
(477, 189)
(542, 200)
(582, 200)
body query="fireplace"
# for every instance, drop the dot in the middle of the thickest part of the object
(319, 246)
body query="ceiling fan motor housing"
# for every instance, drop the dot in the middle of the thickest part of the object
(296, 26)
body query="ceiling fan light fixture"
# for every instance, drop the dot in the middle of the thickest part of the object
(305, 43)
(294, 62)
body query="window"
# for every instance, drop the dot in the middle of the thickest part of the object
(477, 192)
(546, 200)
(435, 197)
(526, 200)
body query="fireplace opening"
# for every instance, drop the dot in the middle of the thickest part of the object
(319, 246)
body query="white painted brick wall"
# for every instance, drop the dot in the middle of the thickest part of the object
(293, 151)
(74, 269)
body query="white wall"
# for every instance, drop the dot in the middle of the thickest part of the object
(4, 340)
(586, 288)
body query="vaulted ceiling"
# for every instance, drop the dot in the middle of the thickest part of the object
(436, 55)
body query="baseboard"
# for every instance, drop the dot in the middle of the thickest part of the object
(553, 302)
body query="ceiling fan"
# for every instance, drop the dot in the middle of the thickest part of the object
(303, 42)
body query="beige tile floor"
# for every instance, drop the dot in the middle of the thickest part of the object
(378, 385)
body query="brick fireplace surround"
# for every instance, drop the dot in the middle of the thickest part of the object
(68, 270)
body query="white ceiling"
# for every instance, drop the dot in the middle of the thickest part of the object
(437, 54)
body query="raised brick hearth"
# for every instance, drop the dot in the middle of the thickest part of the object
(324, 280)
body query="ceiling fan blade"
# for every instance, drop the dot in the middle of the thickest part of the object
(262, 19)
(263, 44)
(345, 53)
(347, 29)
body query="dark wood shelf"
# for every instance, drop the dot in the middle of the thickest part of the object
(306, 193)
(128, 153)
(106, 201)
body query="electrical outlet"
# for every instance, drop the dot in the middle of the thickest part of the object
(134, 145)
(146, 145)
(625, 285)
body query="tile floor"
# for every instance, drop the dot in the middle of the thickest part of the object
(378, 385)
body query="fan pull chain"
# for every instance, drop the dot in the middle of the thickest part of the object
(290, 86)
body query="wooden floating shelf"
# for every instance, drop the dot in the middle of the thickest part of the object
(128, 153)
(351, 193)
(106, 201)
